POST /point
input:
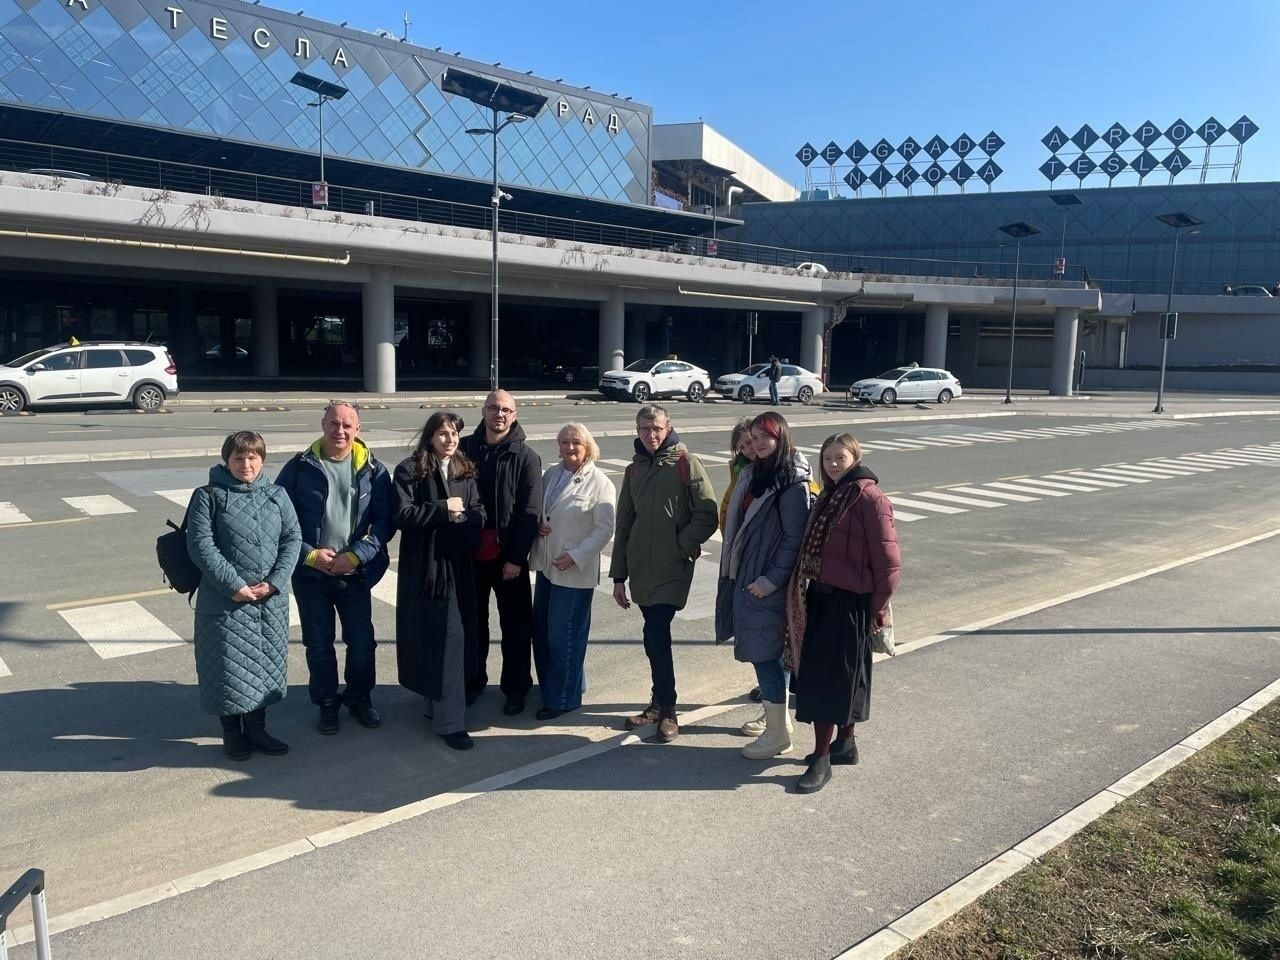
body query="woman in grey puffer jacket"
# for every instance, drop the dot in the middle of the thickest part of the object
(243, 534)
(763, 529)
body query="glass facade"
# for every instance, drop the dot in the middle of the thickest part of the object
(224, 71)
(1111, 238)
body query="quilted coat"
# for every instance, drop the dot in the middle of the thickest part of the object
(241, 533)
(662, 524)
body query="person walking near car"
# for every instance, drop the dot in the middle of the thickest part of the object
(576, 524)
(342, 494)
(774, 374)
(509, 475)
(762, 535)
(243, 536)
(439, 512)
(839, 595)
(666, 511)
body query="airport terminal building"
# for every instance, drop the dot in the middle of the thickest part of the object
(160, 168)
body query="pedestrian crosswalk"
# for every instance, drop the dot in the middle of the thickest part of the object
(921, 505)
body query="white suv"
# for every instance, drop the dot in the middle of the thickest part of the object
(643, 379)
(90, 372)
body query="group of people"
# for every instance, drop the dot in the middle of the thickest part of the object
(802, 579)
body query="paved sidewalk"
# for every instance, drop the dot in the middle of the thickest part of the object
(637, 849)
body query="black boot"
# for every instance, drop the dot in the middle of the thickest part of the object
(842, 753)
(816, 777)
(255, 731)
(328, 724)
(234, 742)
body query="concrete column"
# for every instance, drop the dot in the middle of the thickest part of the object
(478, 323)
(902, 342)
(266, 330)
(1066, 320)
(811, 324)
(635, 335)
(379, 303)
(612, 341)
(936, 318)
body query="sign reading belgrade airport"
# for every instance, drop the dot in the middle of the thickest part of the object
(1146, 149)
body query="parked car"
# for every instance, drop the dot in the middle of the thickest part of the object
(811, 269)
(1247, 290)
(215, 353)
(753, 383)
(913, 383)
(643, 379)
(90, 373)
(573, 368)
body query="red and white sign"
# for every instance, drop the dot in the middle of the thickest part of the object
(320, 194)
(713, 248)
(1059, 265)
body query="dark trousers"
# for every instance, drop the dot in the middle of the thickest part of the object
(657, 647)
(319, 598)
(515, 618)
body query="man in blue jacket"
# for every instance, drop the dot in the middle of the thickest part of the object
(343, 498)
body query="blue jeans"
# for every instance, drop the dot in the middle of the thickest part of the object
(773, 681)
(318, 599)
(561, 626)
(773, 392)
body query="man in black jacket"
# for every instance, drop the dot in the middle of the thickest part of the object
(509, 474)
(774, 375)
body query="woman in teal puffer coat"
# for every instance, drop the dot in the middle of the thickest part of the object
(243, 534)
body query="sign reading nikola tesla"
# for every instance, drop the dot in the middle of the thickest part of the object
(1145, 150)
(906, 162)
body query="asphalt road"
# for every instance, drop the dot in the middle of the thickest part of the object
(112, 780)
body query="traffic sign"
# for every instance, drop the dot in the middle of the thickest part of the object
(1168, 326)
(1059, 265)
(713, 248)
(320, 194)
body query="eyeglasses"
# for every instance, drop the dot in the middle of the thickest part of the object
(505, 411)
(651, 429)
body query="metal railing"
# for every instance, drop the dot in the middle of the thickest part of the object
(225, 186)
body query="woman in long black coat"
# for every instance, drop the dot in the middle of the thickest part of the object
(439, 512)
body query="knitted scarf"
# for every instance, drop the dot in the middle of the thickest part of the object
(831, 506)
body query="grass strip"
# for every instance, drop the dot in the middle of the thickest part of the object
(1186, 869)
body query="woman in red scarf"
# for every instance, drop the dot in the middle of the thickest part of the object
(839, 595)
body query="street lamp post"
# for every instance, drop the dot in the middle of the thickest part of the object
(1179, 221)
(324, 91)
(1017, 231)
(519, 105)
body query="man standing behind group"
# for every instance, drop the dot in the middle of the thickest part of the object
(343, 499)
(666, 511)
(509, 474)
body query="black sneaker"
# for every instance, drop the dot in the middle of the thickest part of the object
(513, 707)
(328, 724)
(365, 715)
(461, 740)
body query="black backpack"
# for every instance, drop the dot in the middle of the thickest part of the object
(179, 570)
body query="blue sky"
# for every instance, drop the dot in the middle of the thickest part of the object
(773, 75)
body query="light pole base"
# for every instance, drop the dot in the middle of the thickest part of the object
(1007, 399)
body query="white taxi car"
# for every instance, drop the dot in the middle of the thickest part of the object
(753, 383)
(643, 379)
(911, 383)
(90, 373)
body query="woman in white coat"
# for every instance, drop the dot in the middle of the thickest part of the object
(575, 524)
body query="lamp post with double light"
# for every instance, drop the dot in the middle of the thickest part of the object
(1018, 231)
(324, 91)
(1168, 323)
(519, 105)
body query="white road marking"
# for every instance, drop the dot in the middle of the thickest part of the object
(1018, 488)
(1217, 459)
(4, 670)
(1175, 463)
(181, 497)
(951, 498)
(295, 618)
(980, 492)
(896, 445)
(120, 629)
(98, 506)
(713, 457)
(1077, 487)
(1258, 456)
(1106, 473)
(923, 505)
(11, 514)
(906, 517)
(615, 463)
(1071, 478)
(1160, 473)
